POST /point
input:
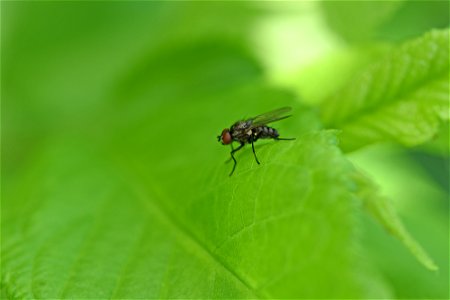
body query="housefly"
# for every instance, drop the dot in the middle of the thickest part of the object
(250, 130)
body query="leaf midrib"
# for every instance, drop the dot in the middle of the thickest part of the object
(182, 233)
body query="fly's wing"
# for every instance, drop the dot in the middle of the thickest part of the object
(271, 116)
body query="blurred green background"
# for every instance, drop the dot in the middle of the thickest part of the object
(86, 86)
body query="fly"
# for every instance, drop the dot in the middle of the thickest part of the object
(250, 130)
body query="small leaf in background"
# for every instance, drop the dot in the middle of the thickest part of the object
(402, 98)
(384, 212)
(423, 207)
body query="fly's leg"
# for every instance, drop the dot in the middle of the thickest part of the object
(284, 139)
(254, 153)
(253, 139)
(232, 156)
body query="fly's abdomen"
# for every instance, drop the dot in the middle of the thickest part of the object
(266, 132)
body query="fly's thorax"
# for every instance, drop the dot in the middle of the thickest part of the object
(241, 125)
(241, 131)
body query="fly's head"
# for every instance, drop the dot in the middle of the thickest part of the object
(225, 137)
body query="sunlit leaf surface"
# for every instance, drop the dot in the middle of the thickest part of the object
(402, 98)
(159, 217)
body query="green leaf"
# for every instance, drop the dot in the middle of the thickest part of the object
(384, 212)
(94, 225)
(403, 98)
(137, 201)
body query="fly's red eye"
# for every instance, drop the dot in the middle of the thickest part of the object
(226, 137)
